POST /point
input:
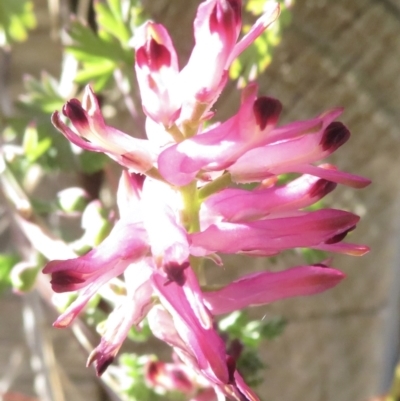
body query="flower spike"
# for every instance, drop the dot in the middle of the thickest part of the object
(180, 200)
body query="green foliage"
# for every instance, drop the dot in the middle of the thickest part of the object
(16, 18)
(34, 147)
(41, 140)
(106, 50)
(250, 334)
(256, 58)
(42, 95)
(7, 262)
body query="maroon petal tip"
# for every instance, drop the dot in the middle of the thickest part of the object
(101, 361)
(339, 237)
(154, 55)
(335, 135)
(74, 111)
(266, 111)
(321, 188)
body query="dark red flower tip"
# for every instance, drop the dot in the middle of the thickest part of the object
(226, 15)
(235, 349)
(323, 265)
(154, 368)
(102, 364)
(236, 7)
(154, 55)
(338, 237)
(179, 376)
(65, 278)
(139, 179)
(176, 273)
(335, 135)
(266, 111)
(231, 365)
(321, 188)
(74, 111)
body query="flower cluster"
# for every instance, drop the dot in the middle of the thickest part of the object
(180, 198)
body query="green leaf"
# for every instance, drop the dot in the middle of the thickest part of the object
(16, 18)
(250, 367)
(106, 50)
(33, 147)
(7, 262)
(42, 96)
(110, 19)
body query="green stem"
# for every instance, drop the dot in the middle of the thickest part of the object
(191, 207)
(191, 126)
(198, 268)
(214, 186)
(191, 220)
(154, 173)
(175, 132)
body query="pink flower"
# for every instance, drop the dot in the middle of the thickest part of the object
(216, 29)
(236, 205)
(220, 147)
(273, 235)
(157, 72)
(251, 148)
(294, 155)
(265, 287)
(198, 346)
(91, 133)
(169, 376)
(130, 312)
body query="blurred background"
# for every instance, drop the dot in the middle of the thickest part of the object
(339, 346)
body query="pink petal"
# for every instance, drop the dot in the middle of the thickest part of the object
(345, 248)
(168, 239)
(285, 156)
(273, 235)
(67, 317)
(266, 287)
(156, 68)
(131, 311)
(220, 147)
(240, 205)
(204, 344)
(216, 28)
(330, 172)
(270, 15)
(91, 133)
(128, 196)
(126, 244)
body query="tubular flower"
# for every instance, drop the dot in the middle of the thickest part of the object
(189, 203)
(91, 133)
(157, 71)
(216, 29)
